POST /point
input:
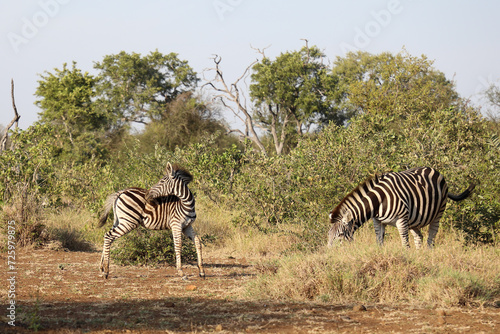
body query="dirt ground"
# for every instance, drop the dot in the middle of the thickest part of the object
(63, 292)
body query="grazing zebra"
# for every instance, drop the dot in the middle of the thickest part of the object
(408, 200)
(167, 205)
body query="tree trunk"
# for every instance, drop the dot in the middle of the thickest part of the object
(15, 120)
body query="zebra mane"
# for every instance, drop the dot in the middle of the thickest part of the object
(338, 209)
(182, 173)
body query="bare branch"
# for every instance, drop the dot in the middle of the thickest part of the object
(231, 98)
(16, 117)
(261, 51)
(237, 131)
(15, 120)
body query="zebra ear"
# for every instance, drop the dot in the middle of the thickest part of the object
(169, 170)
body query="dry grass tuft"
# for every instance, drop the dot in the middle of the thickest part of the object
(73, 229)
(25, 212)
(361, 271)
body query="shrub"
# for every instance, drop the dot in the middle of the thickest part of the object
(147, 247)
(302, 187)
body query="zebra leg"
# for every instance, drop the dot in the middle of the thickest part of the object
(191, 234)
(115, 233)
(109, 237)
(402, 226)
(434, 226)
(433, 230)
(417, 237)
(379, 231)
(177, 236)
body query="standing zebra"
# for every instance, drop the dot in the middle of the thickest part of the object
(408, 200)
(167, 205)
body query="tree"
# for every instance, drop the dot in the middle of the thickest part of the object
(66, 99)
(231, 98)
(493, 95)
(390, 84)
(26, 170)
(184, 121)
(15, 121)
(288, 95)
(137, 89)
(296, 88)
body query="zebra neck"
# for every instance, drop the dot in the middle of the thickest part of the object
(187, 198)
(363, 204)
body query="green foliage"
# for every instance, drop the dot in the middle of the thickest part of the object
(28, 162)
(25, 179)
(213, 168)
(300, 188)
(391, 85)
(295, 83)
(137, 88)
(409, 116)
(184, 120)
(291, 94)
(147, 247)
(67, 108)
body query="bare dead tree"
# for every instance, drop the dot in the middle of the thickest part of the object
(15, 120)
(274, 126)
(232, 99)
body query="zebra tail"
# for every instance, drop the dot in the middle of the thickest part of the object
(108, 205)
(463, 195)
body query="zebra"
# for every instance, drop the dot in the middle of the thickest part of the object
(167, 205)
(408, 200)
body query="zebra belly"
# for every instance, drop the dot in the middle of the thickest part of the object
(391, 215)
(390, 223)
(156, 224)
(422, 219)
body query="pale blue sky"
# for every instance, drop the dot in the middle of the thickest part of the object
(463, 37)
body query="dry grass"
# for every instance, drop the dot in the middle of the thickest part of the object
(448, 275)
(25, 213)
(73, 229)
(245, 242)
(361, 271)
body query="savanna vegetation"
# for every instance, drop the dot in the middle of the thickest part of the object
(310, 132)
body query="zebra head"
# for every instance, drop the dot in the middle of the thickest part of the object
(342, 226)
(173, 183)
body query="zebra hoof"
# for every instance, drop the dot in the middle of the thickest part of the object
(202, 275)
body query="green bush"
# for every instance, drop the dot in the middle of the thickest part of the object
(302, 187)
(290, 193)
(147, 247)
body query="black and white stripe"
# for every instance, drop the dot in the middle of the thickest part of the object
(408, 200)
(167, 205)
